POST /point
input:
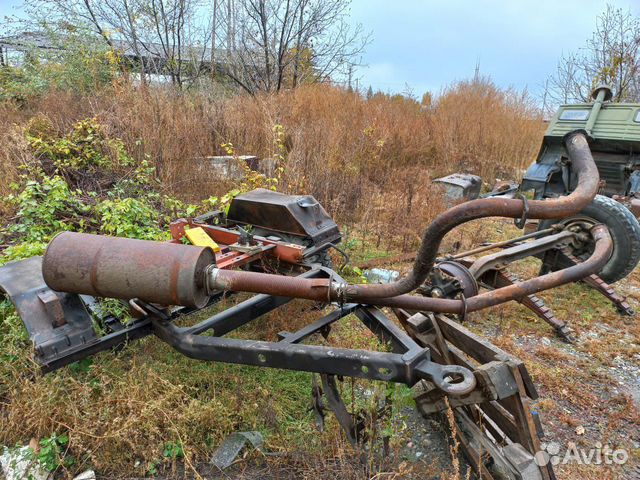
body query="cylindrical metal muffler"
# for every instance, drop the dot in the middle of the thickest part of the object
(102, 266)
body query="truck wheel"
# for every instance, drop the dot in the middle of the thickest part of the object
(625, 232)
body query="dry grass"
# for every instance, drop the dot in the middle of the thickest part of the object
(368, 161)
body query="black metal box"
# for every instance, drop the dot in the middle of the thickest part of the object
(298, 215)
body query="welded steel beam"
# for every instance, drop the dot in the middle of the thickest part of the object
(408, 367)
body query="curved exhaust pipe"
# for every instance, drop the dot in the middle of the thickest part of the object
(588, 181)
(317, 289)
(172, 274)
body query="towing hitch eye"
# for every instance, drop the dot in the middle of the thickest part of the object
(409, 367)
(451, 379)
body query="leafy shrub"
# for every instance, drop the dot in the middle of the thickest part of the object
(18, 85)
(85, 146)
(86, 157)
(128, 217)
(52, 453)
(22, 250)
(45, 207)
(84, 180)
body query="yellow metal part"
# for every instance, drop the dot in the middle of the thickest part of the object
(198, 237)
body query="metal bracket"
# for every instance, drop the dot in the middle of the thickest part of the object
(57, 323)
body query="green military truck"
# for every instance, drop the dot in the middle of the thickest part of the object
(614, 133)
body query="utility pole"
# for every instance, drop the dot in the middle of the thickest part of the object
(214, 20)
(476, 73)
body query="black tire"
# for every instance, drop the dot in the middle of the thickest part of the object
(625, 232)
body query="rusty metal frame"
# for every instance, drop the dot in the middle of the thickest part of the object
(283, 251)
(406, 363)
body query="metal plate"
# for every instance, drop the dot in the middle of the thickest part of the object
(56, 322)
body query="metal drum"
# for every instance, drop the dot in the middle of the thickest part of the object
(102, 266)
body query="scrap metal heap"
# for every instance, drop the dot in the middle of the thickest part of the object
(275, 246)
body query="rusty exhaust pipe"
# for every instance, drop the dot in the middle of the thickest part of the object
(316, 289)
(599, 257)
(175, 274)
(158, 272)
(586, 189)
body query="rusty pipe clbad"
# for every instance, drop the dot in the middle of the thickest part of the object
(157, 272)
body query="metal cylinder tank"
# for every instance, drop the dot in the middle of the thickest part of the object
(124, 268)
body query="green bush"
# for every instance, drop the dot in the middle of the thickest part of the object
(85, 146)
(129, 217)
(77, 62)
(45, 207)
(84, 180)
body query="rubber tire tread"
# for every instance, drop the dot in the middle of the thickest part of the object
(625, 232)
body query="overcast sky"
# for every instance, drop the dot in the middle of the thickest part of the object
(427, 44)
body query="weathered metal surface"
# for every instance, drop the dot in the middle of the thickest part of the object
(157, 272)
(57, 322)
(177, 274)
(509, 255)
(603, 288)
(246, 311)
(495, 414)
(300, 215)
(283, 251)
(600, 255)
(586, 189)
(321, 290)
(505, 243)
(278, 285)
(502, 278)
(468, 284)
(407, 367)
(460, 186)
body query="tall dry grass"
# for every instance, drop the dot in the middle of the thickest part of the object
(369, 161)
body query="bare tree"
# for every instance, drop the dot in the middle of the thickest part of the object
(276, 44)
(158, 36)
(260, 45)
(611, 56)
